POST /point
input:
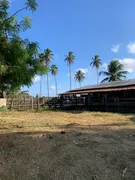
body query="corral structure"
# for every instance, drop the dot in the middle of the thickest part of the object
(24, 101)
(112, 96)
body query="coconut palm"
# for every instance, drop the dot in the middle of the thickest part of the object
(41, 58)
(79, 76)
(48, 57)
(96, 63)
(54, 72)
(70, 60)
(115, 72)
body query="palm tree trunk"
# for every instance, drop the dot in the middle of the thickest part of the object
(80, 84)
(97, 77)
(41, 86)
(70, 76)
(56, 85)
(47, 84)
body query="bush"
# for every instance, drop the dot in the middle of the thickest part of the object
(45, 108)
(3, 108)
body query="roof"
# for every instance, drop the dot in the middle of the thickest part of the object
(104, 87)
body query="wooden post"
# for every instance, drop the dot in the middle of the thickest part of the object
(12, 102)
(106, 105)
(24, 103)
(61, 101)
(32, 103)
(124, 98)
(118, 104)
(19, 102)
(43, 100)
(89, 101)
(76, 101)
(37, 103)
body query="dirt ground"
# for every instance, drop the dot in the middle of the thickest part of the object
(67, 146)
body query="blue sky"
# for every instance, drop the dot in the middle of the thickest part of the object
(86, 27)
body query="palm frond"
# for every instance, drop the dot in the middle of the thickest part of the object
(104, 73)
(96, 62)
(70, 58)
(54, 70)
(115, 71)
(105, 80)
(79, 76)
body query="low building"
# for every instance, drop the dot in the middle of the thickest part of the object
(107, 96)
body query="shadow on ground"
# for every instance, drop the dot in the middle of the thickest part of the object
(74, 152)
(132, 119)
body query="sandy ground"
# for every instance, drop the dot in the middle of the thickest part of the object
(67, 146)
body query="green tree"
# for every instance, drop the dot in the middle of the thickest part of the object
(54, 72)
(115, 72)
(19, 62)
(70, 60)
(48, 57)
(96, 63)
(6, 20)
(79, 76)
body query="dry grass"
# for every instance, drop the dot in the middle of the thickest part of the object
(93, 146)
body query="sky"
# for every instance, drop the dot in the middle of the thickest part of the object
(86, 27)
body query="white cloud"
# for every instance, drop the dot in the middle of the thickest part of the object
(104, 66)
(84, 70)
(115, 48)
(129, 64)
(36, 78)
(53, 87)
(131, 47)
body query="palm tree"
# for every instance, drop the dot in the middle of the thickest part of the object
(48, 57)
(70, 60)
(115, 72)
(79, 76)
(96, 63)
(54, 72)
(41, 58)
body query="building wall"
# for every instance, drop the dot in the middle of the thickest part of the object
(3, 102)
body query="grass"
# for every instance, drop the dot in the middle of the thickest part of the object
(70, 145)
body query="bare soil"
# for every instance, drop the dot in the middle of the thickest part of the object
(67, 146)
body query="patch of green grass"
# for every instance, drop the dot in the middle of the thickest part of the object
(3, 108)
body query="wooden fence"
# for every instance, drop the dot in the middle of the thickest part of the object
(22, 103)
(101, 104)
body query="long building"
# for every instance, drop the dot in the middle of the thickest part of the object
(107, 96)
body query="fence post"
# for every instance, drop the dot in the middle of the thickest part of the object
(24, 103)
(106, 103)
(118, 104)
(89, 101)
(37, 102)
(61, 101)
(12, 102)
(76, 101)
(32, 103)
(43, 100)
(19, 102)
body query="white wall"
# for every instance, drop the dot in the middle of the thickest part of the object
(3, 102)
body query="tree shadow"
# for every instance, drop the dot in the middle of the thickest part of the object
(133, 119)
(82, 152)
(77, 126)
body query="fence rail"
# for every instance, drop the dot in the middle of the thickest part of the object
(25, 103)
(30, 103)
